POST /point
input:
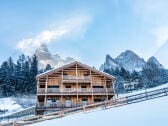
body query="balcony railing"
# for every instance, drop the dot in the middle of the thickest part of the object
(71, 77)
(61, 105)
(69, 90)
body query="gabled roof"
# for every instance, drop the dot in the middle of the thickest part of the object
(71, 64)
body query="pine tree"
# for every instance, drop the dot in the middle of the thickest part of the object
(33, 73)
(124, 73)
(6, 81)
(48, 67)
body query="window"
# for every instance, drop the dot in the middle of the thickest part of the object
(68, 103)
(53, 86)
(84, 102)
(83, 88)
(42, 86)
(97, 86)
(97, 100)
(68, 88)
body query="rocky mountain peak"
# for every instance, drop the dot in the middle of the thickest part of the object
(130, 61)
(155, 61)
(43, 53)
(45, 57)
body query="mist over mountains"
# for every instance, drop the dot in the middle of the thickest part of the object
(45, 57)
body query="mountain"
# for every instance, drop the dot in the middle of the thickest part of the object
(155, 61)
(128, 65)
(127, 60)
(130, 61)
(110, 63)
(45, 57)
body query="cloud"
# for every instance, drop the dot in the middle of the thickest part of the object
(161, 35)
(73, 26)
(153, 14)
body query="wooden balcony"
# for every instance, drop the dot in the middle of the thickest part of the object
(61, 105)
(56, 91)
(72, 79)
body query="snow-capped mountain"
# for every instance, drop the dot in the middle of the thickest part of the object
(128, 60)
(155, 61)
(45, 57)
(110, 63)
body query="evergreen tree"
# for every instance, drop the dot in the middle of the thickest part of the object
(48, 67)
(6, 81)
(18, 76)
(33, 73)
(124, 73)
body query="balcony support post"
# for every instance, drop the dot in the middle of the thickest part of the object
(38, 85)
(91, 86)
(77, 84)
(46, 84)
(61, 87)
(106, 89)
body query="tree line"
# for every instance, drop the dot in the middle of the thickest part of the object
(18, 77)
(150, 76)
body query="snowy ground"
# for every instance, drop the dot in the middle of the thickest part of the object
(148, 113)
(10, 105)
(142, 90)
(14, 104)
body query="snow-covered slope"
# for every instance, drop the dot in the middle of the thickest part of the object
(15, 104)
(143, 90)
(10, 105)
(45, 57)
(148, 113)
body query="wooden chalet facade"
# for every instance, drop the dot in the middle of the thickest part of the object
(71, 86)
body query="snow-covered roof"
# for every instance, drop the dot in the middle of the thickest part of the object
(71, 64)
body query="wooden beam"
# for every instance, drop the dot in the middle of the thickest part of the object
(77, 82)
(91, 85)
(45, 98)
(37, 101)
(106, 88)
(61, 87)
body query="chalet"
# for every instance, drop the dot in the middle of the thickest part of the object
(132, 84)
(72, 85)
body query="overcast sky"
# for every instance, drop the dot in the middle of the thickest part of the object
(86, 30)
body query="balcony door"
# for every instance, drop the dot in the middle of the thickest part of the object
(98, 89)
(84, 101)
(68, 103)
(52, 89)
(68, 88)
(84, 88)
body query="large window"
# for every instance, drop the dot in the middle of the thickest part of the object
(84, 88)
(97, 86)
(53, 86)
(84, 101)
(98, 100)
(68, 103)
(68, 88)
